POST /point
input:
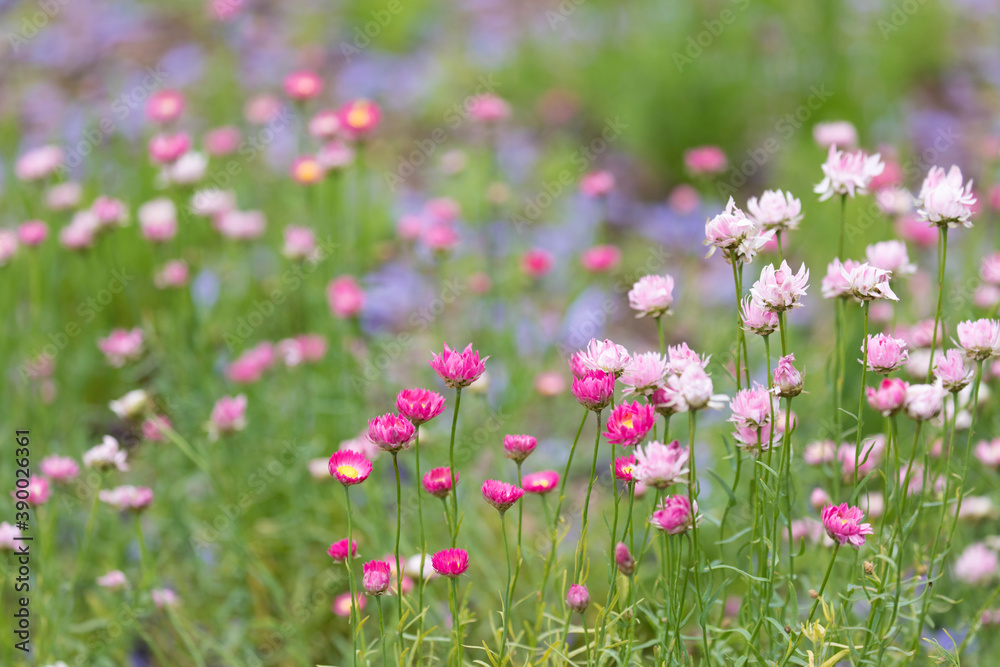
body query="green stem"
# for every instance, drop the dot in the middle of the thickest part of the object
(942, 257)
(586, 503)
(451, 462)
(861, 398)
(350, 580)
(423, 552)
(457, 621)
(506, 597)
(381, 627)
(399, 570)
(812, 610)
(843, 225)
(695, 552)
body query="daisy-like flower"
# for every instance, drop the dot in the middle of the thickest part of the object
(779, 289)
(59, 468)
(121, 346)
(644, 374)
(889, 397)
(350, 467)
(652, 296)
(624, 468)
(437, 481)
(980, 338)
(540, 483)
(605, 355)
(359, 118)
(594, 390)
(787, 380)
(450, 562)
(629, 423)
(115, 580)
(890, 256)
(944, 201)
(338, 550)
(228, 415)
(924, 401)
(391, 432)
(419, 405)
(756, 318)
(843, 523)
(737, 236)
(866, 283)
(135, 498)
(885, 353)
(501, 494)
(106, 455)
(577, 598)
(950, 370)
(376, 577)
(659, 465)
(848, 173)
(458, 369)
(674, 515)
(776, 210)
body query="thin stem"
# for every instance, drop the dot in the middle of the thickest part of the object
(843, 225)
(423, 551)
(812, 611)
(451, 463)
(399, 570)
(737, 267)
(659, 330)
(612, 572)
(861, 397)
(506, 597)
(457, 621)
(942, 257)
(586, 503)
(695, 553)
(350, 580)
(144, 554)
(381, 627)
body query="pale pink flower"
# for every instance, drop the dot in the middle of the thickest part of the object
(127, 497)
(924, 401)
(950, 370)
(885, 353)
(867, 283)
(652, 296)
(888, 399)
(737, 236)
(836, 282)
(776, 210)
(890, 256)
(222, 140)
(345, 297)
(644, 374)
(578, 598)
(752, 407)
(173, 274)
(38, 163)
(820, 452)
(843, 523)
(188, 169)
(303, 85)
(868, 457)
(835, 133)
(675, 515)
(695, 389)
(164, 597)
(819, 498)
(121, 346)
(684, 199)
(894, 201)
(976, 565)
(240, 225)
(980, 338)
(133, 404)
(213, 202)
(779, 289)
(158, 220)
(989, 270)
(847, 174)
(335, 155)
(489, 108)
(109, 212)
(168, 148)
(787, 380)
(659, 465)
(32, 232)
(597, 184)
(986, 296)
(106, 455)
(916, 231)
(115, 580)
(988, 452)
(605, 355)
(756, 318)
(8, 245)
(550, 383)
(59, 468)
(324, 124)
(944, 201)
(300, 243)
(228, 415)
(705, 160)
(153, 428)
(165, 106)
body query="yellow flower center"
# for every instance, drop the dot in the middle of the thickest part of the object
(308, 171)
(627, 422)
(348, 471)
(359, 116)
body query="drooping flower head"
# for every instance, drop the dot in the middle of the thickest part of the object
(644, 374)
(951, 371)
(375, 577)
(756, 318)
(776, 210)
(577, 598)
(843, 523)
(437, 481)
(944, 200)
(980, 338)
(779, 289)
(848, 173)
(659, 465)
(501, 494)
(450, 562)
(391, 432)
(787, 379)
(674, 515)
(594, 390)
(338, 550)
(540, 483)
(419, 405)
(889, 397)
(629, 423)
(350, 467)
(886, 354)
(652, 296)
(458, 369)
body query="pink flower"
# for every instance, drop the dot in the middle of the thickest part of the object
(212, 202)
(440, 237)
(779, 289)
(303, 85)
(33, 232)
(577, 598)
(943, 199)
(645, 373)
(980, 338)
(307, 170)
(151, 428)
(652, 296)
(221, 140)
(820, 452)
(601, 258)
(752, 407)
(950, 370)
(450, 562)
(437, 482)
(629, 423)
(624, 559)
(694, 386)
(890, 256)
(924, 401)
(819, 498)
(121, 346)
(756, 318)
(39, 163)
(988, 452)
(540, 483)
(392, 433)
(737, 236)
(674, 515)
(228, 415)
(989, 270)
(300, 243)
(37, 492)
(597, 184)
(115, 580)
(885, 353)
(550, 383)
(867, 283)
(250, 365)
(240, 225)
(59, 468)
(605, 355)
(843, 523)
(360, 118)
(848, 173)
(893, 201)
(977, 564)
(173, 274)
(660, 465)
(684, 199)
(458, 369)
(888, 399)
(624, 468)
(835, 133)
(836, 282)
(158, 220)
(594, 390)
(164, 597)
(345, 297)
(705, 160)
(168, 148)
(537, 262)
(343, 603)
(106, 455)
(868, 457)
(164, 106)
(335, 155)
(776, 210)
(787, 379)
(324, 124)
(123, 498)
(8, 245)
(518, 447)
(376, 577)
(489, 108)
(349, 467)
(501, 494)
(916, 231)
(419, 405)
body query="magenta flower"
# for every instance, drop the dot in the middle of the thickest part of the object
(624, 468)
(437, 481)
(391, 432)
(537, 262)
(338, 550)
(359, 118)
(165, 106)
(705, 160)
(376, 577)
(980, 338)
(624, 559)
(350, 467)
(645, 373)
(888, 399)
(540, 483)
(629, 423)
(659, 465)
(501, 494)
(345, 297)
(303, 85)
(866, 283)
(489, 108)
(950, 369)
(606, 355)
(944, 201)
(652, 296)
(924, 401)
(576, 365)
(601, 258)
(121, 346)
(597, 184)
(989, 269)
(848, 173)
(843, 523)
(776, 210)
(518, 447)
(787, 379)
(59, 468)
(756, 318)
(886, 354)
(136, 498)
(674, 515)
(458, 369)
(577, 598)
(228, 415)
(419, 405)
(779, 289)
(595, 390)
(450, 562)
(37, 492)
